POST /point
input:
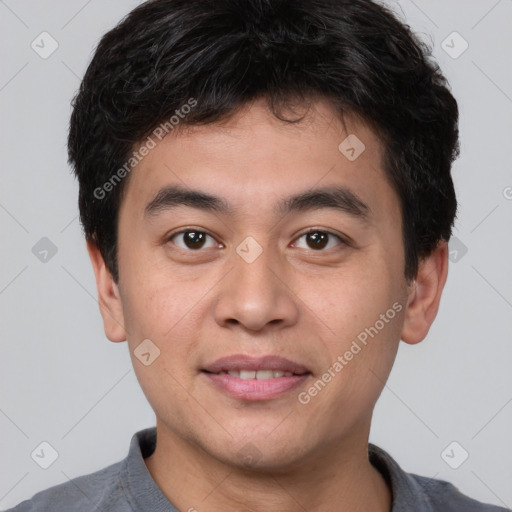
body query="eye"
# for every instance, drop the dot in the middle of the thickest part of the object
(318, 240)
(193, 239)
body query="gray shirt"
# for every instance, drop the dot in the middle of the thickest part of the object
(127, 486)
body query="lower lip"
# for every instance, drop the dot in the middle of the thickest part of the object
(254, 389)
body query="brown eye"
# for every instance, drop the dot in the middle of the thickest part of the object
(193, 240)
(318, 240)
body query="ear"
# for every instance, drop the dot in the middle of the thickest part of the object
(425, 294)
(111, 307)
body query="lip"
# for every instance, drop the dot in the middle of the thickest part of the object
(254, 389)
(244, 362)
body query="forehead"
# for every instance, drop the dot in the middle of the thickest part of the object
(254, 158)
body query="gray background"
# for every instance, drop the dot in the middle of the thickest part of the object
(62, 382)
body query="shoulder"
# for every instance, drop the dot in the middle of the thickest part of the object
(445, 497)
(101, 490)
(121, 487)
(414, 492)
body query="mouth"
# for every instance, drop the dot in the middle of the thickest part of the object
(256, 374)
(248, 378)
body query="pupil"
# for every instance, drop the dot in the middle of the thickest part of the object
(194, 239)
(317, 240)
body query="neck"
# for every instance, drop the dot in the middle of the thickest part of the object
(338, 478)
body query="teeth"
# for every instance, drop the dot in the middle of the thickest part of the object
(264, 374)
(260, 374)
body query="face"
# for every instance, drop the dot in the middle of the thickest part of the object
(259, 246)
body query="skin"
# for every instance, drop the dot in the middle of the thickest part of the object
(302, 303)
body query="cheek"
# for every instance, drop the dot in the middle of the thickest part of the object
(168, 316)
(155, 300)
(351, 299)
(360, 314)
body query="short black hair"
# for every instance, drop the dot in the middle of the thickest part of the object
(219, 55)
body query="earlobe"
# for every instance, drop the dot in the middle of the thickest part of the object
(109, 299)
(425, 294)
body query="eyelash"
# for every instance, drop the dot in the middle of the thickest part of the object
(342, 241)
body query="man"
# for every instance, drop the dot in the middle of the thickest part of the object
(266, 196)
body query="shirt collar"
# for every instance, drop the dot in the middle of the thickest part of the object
(141, 490)
(408, 493)
(143, 493)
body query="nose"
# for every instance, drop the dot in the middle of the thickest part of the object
(255, 295)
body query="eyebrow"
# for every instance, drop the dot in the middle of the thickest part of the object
(338, 198)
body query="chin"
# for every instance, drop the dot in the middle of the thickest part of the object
(262, 452)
